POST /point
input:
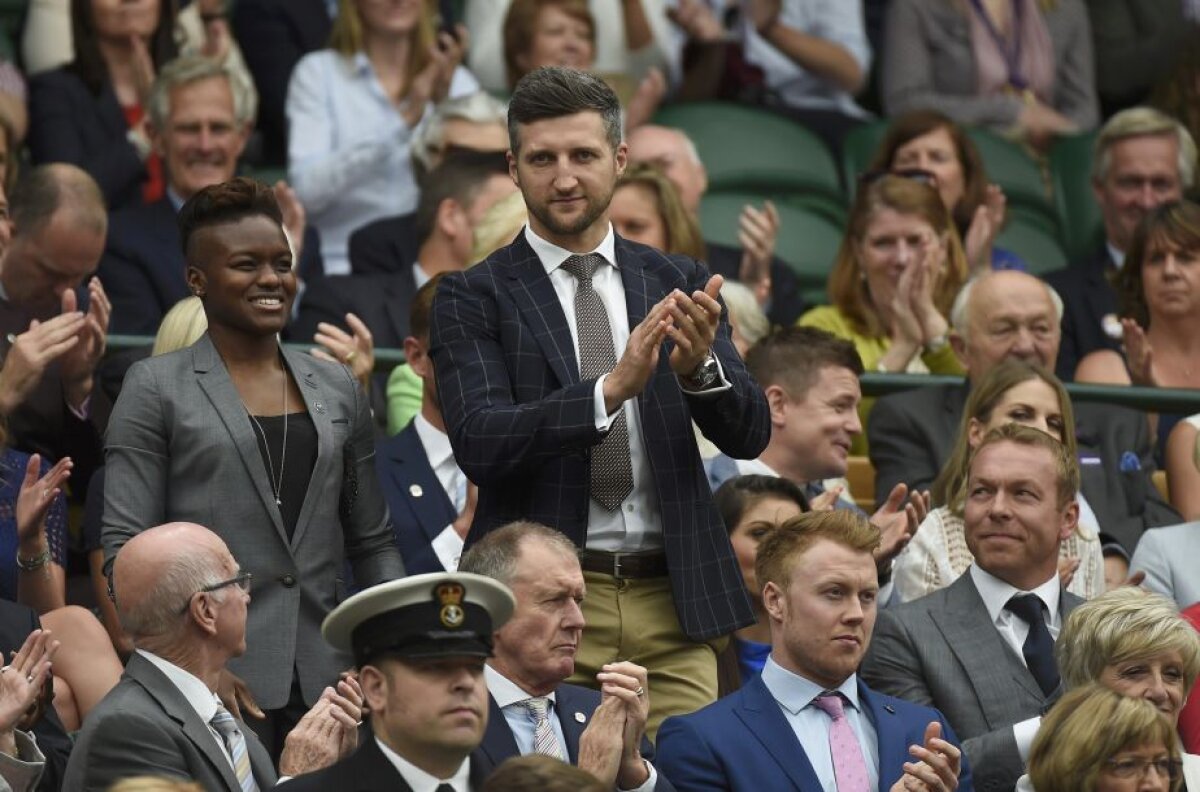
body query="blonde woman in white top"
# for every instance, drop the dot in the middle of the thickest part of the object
(1013, 392)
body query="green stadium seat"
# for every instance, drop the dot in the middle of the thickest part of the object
(858, 149)
(751, 150)
(1011, 167)
(1040, 250)
(808, 241)
(1071, 169)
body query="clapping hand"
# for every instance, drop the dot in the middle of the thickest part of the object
(1139, 354)
(758, 230)
(37, 495)
(356, 349)
(79, 361)
(898, 521)
(938, 766)
(23, 685)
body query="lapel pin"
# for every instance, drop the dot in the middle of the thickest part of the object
(580, 717)
(890, 708)
(415, 490)
(319, 407)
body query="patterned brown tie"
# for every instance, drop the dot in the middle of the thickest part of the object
(612, 472)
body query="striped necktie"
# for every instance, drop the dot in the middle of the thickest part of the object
(544, 739)
(235, 743)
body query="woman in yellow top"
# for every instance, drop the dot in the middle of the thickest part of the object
(895, 277)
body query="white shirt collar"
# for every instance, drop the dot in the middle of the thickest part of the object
(419, 276)
(504, 690)
(1115, 254)
(755, 467)
(996, 593)
(419, 780)
(794, 692)
(198, 695)
(552, 256)
(435, 441)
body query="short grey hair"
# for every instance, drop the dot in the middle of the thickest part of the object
(496, 554)
(1141, 122)
(159, 614)
(189, 69)
(960, 318)
(477, 108)
(745, 312)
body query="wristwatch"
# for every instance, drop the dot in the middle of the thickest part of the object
(704, 375)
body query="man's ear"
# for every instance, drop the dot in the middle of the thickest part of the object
(621, 156)
(777, 401)
(1070, 520)
(155, 136)
(959, 345)
(511, 157)
(374, 686)
(774, 602)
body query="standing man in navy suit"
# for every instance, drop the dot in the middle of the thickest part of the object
(532, 709)
(571, 365)
(808, 722)
(427, 494)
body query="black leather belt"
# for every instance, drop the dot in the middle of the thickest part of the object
(625, 565)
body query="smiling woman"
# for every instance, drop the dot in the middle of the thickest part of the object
(269, 448)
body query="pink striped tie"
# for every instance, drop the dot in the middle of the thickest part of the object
(849, 767)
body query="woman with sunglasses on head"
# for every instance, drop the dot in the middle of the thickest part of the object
(271, 449)
(927, 140)
(897, 271)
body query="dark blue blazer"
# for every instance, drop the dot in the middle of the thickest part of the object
(402, 464)
(522, 423)
(1087, 298)
(570, 701)
(144, 272)
(744, 742)
(67, 123)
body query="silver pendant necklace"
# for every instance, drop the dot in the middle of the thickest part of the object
(275, 482)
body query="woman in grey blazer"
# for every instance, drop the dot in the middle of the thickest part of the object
(269, 448)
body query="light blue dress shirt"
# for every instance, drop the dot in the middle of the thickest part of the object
(348, 148)
(795, 696)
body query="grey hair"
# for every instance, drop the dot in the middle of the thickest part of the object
(477, 108)
(558, 91)
(189, 69)
(159, 614)
(496, 554)
(1140, 122)
(745, 312)
(960, 317)
(689, 147)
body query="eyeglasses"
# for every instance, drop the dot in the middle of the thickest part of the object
(914, 174)
(1136, 768)
(242, 581)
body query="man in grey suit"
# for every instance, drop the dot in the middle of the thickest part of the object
(1168, 557)
(1011, 314)
(982, 649)
(182, 598)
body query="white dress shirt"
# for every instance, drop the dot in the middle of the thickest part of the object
(796, 695)
(198, 695)
(448, 544)
(509, 695)
(1013, 629)
(419, 780)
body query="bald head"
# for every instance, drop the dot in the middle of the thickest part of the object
(671, 151)
(49, 189)
(1006, 314)
(158, 571)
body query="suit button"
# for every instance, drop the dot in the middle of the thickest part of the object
(288, 581)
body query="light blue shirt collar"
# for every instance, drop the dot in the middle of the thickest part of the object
(794, 692)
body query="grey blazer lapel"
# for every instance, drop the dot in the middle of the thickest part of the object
(316, 402)
(178, 709)
(214, 380)
(989, 662)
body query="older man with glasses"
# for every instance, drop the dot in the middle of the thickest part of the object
(182, 598)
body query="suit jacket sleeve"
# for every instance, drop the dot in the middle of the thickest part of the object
(686, 758)
(370, 543)
(894, 666)
(136, 453)
(897, 451)
(493, 436)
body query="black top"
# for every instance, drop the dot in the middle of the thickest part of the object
(299, 458)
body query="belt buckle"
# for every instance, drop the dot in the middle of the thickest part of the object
(617, 572)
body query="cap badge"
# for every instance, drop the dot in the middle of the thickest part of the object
(451, 597)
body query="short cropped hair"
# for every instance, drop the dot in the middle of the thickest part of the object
(1066, 467)
(458, 178)
(540, 772)
(557, 91)
(428, 140)
(1087, 727)
(1141, 122)
(740, 494)
(793, 357)
(421, 308)
(43, 190)
(161, 615)
(190, 69)
(960, 317)
(795, 536)
(496, 554)
(1127, 623)
(224, 203)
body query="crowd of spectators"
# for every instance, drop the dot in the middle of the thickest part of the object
(492, 412)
